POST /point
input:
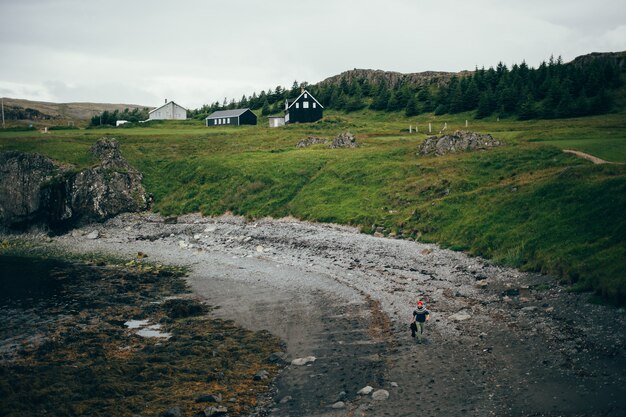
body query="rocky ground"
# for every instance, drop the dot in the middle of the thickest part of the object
(500, 342)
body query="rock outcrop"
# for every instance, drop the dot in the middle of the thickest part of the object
(311, 140)
(459, 141)
(344, 140)
(36, 191)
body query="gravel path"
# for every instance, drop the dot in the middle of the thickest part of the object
(500, 342)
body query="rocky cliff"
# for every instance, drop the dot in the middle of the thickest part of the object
(36, 191)
(391, 79)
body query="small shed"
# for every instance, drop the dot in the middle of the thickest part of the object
(276, 121)
(168, 111)
(235, 117)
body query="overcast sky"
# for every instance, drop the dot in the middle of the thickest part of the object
(200, 51)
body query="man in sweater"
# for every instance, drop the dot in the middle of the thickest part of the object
(418, 321)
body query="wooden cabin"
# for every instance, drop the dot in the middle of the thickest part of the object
(235, 117)
(303, 109)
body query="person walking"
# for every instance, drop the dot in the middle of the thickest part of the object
(418, 321)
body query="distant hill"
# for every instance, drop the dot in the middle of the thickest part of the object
(37, 111)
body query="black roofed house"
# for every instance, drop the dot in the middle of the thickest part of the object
(303, 109)
(235, 117)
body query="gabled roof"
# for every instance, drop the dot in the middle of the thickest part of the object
(227, 113)
(290, 102)
(168, 103)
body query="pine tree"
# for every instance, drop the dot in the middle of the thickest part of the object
(412, 107)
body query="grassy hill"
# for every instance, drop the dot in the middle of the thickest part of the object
(51, 114)
(527, 204)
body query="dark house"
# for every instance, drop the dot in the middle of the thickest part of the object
(304, 109)
(234, 117)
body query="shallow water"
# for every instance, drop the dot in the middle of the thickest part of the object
(26, 281)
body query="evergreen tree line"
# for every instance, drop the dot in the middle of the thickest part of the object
(107, 118)
(553, 90)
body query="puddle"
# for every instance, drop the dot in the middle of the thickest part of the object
(136, 324)
(153, 330)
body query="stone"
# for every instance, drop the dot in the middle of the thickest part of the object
(260, 249)
(277, 357)
(338, 405)
(170, 220)
(172, 412)
(285, 400)
(459, 141)
(367, 390)
(261, 375)
(483, 283)
(213, 412)
(344, 140)
(380, 395)
(303, 361)
(529, 309)
(461, 316)
(309, 141)
(394, 384)
(93, 235)
(209, 398)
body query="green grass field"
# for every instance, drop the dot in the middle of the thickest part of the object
(526, 204)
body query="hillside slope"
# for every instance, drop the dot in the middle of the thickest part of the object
(61, 111)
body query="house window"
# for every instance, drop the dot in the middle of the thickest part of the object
(314, 105)
(297, 105)
(305, 104)
(306, 95)
(228, 121)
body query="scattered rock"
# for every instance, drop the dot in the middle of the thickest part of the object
(311, 140)
(172, 412)
(459, 141)
(93, 235)
(394, 384)
(213, 412)
(483, 283)
(380, 395)
(209, 398)
(303, 361)
(285, 400)
(529, 309)
(344, 140)
(277, 357)
(461, 316)
(261, 375)
(260, 249)
(170, 220)
(338, 405)
(367, 390)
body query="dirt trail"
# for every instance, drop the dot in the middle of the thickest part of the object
(588, 157)
(500, 342)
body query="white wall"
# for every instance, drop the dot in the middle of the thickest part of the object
(170, 111)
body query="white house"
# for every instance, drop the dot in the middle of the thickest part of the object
(168, 111)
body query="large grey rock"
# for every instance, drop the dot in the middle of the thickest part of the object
(380, 395)
(367, 390)
(36, 191)
(344, 140)
(459, 141)
(311, 140)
